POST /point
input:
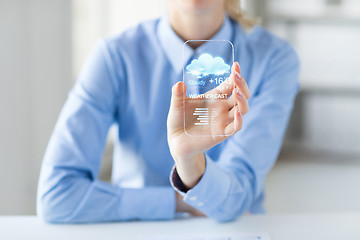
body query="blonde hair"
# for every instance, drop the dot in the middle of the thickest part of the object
(235, 12)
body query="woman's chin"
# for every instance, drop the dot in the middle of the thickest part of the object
(198, 5)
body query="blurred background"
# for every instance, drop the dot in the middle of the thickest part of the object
(43, 45)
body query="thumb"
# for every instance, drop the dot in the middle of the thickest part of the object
(178, 96)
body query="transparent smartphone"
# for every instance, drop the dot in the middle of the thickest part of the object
(206, 76)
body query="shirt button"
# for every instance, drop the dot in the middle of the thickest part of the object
(193, 198)
(200, 204)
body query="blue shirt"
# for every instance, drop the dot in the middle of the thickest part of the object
(127, 81)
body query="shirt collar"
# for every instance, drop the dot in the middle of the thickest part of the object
(174, 48)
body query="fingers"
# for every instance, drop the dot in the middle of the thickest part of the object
(226, 86)
(241, 101)
(197, 213)
(234, 80)
(240, 81)
(178, 96)
(235, 117)
(235, 125)
(238, 98)
(235, 114)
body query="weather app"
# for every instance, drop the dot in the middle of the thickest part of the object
(205, 73)
(207, 65)
(207, 85)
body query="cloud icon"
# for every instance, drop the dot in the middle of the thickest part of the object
(206, 65)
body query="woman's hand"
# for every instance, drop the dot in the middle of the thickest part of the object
(181, 206)
(186, 150)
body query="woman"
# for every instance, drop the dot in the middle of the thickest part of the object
(127, 80)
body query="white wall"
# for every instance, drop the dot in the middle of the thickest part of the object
(35, 75)
(94, 19)
(326, 37)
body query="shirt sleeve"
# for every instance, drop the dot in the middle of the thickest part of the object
(69, 190)
(233, 181)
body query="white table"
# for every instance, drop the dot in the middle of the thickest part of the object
(339, 226)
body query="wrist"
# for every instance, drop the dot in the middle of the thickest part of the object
(190, 169)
